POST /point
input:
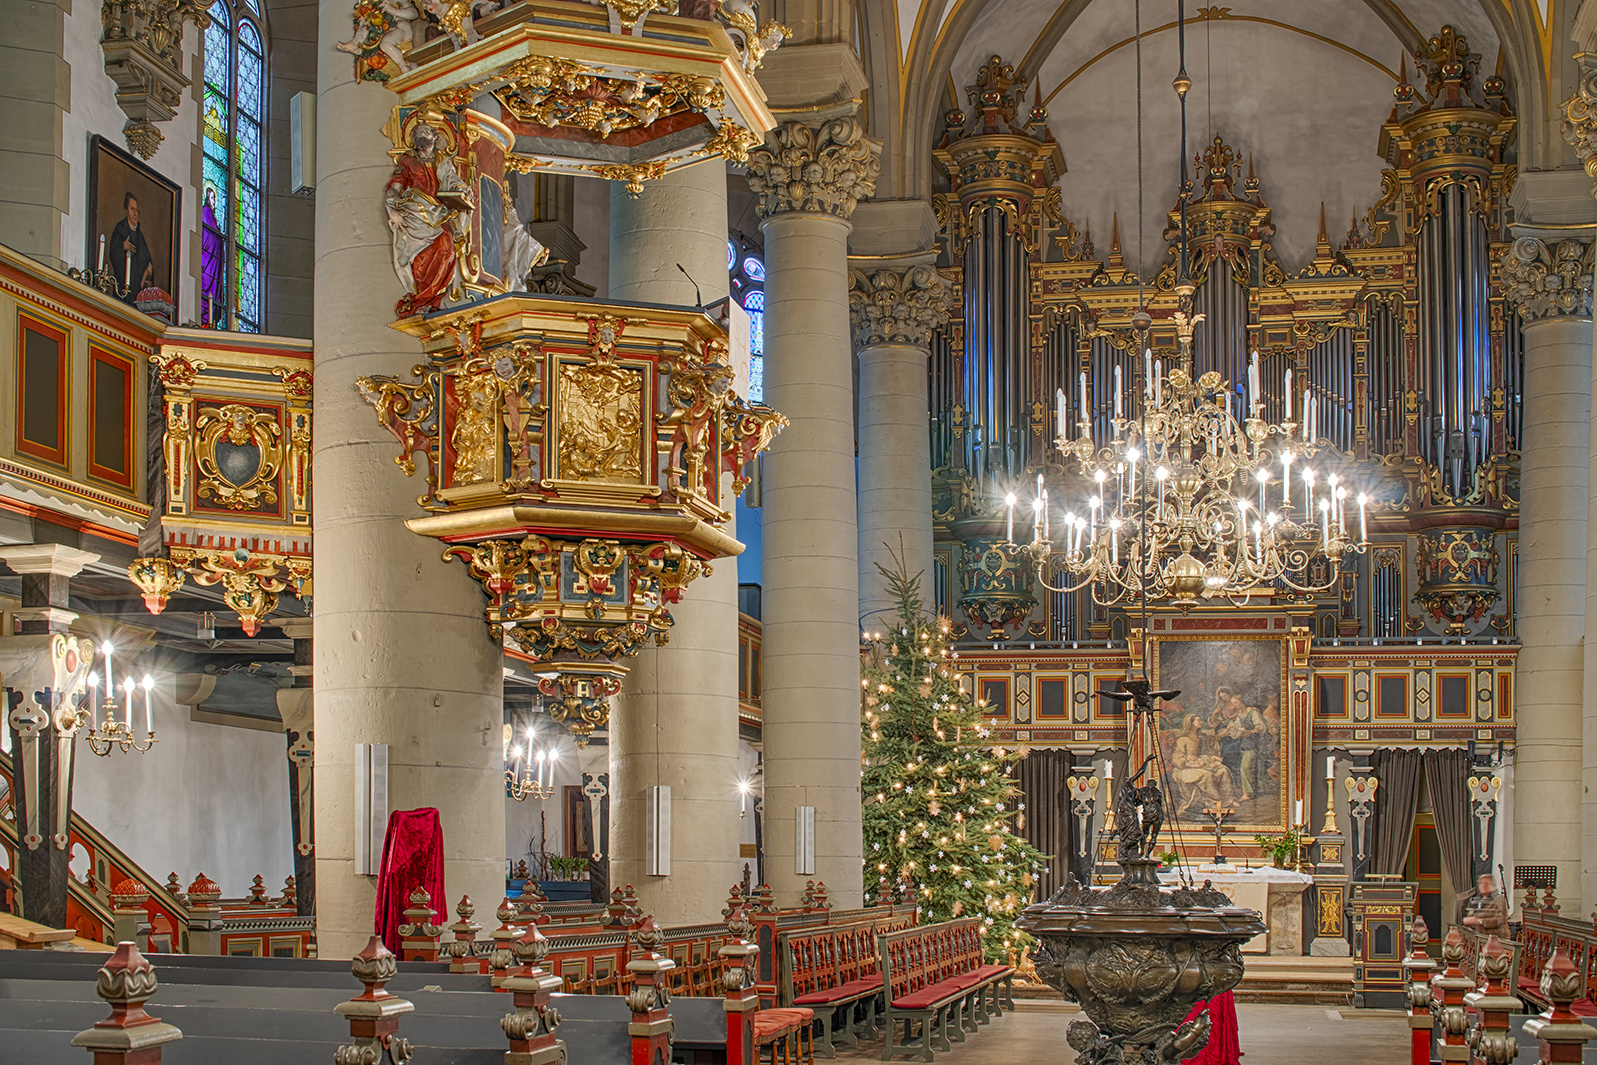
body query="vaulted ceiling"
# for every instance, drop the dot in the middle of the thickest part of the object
(1301, 85)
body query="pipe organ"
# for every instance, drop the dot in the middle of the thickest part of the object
(1404, 354)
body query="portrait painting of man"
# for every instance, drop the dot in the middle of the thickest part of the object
(1221, 737)
(133, 219)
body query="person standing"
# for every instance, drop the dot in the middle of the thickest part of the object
(1485, 910)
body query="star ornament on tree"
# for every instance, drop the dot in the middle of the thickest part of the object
(1140, 694)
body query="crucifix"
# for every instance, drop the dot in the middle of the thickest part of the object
(1218, 813)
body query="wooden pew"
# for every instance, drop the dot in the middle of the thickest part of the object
(1542, 930)
(935, 978)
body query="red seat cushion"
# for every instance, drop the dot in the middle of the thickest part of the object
(1583, 1008)
(766, 1028)
(931, 996)
(866, 985)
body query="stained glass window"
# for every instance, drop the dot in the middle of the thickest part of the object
(754, 303)
(232, 221)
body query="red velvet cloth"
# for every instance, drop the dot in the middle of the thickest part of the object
(1223, 1048)
(413, 853)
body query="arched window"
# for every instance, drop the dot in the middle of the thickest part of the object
(231, 216)
(748, 288)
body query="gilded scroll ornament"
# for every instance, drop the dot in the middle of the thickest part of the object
(238, 454)
(1580, 118)
(409, 411)
(826, 170)
(250, 582)
(157, 579)
(898, 306)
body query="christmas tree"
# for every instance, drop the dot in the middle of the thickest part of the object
(941, 806)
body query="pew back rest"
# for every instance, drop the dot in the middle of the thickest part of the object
(819, 959)
(913, 959)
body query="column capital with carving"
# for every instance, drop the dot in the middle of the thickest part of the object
(897, 304)
(1579, 126)
(1545, 280)
(825, 169)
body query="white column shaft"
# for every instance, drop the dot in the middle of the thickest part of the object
(810, 662)
(675, 722)
(402, 653)
(1551, 601)
(895, 483)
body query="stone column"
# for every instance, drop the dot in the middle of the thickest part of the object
(402, 655)
(26, 666)
(676, 720)
(808, 181)
(894, 308)
(35, 92)
(1551, 600)
(1567, 294)
(297, 707)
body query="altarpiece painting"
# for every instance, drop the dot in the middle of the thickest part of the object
(1222, 739)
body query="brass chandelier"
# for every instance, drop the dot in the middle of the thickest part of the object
(1189, 498)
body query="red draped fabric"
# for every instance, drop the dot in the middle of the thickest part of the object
(1223, 1048)
(413, 853)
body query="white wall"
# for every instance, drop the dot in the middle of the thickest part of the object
(205, 798)
(94, 110)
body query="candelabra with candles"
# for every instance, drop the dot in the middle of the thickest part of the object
(110, 734)
(521, 783)
(1188, 499)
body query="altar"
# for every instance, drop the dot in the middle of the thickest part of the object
(1277, 894)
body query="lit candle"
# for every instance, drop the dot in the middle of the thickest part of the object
(110, 689)
(1036, 518)
(1286, 476)
(1059, 413)
(1132, 456)
(541, 757)
(1308, 492)
(149, 721)
(1092, 513)
(1114, 541)
(1159, 475)
(1364, 531)
(1341, 511)
(1099, 477)
(94, 700)
(1325, 522)
(1330, 490)
(127, 691)
(1263, 477)
(549, 776)
(1009, 534)
(101, 267)
(1045, 513)
(1258, 542)
(1305, 413)
(1286, 394)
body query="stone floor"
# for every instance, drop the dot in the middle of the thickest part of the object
(1270, 1035)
